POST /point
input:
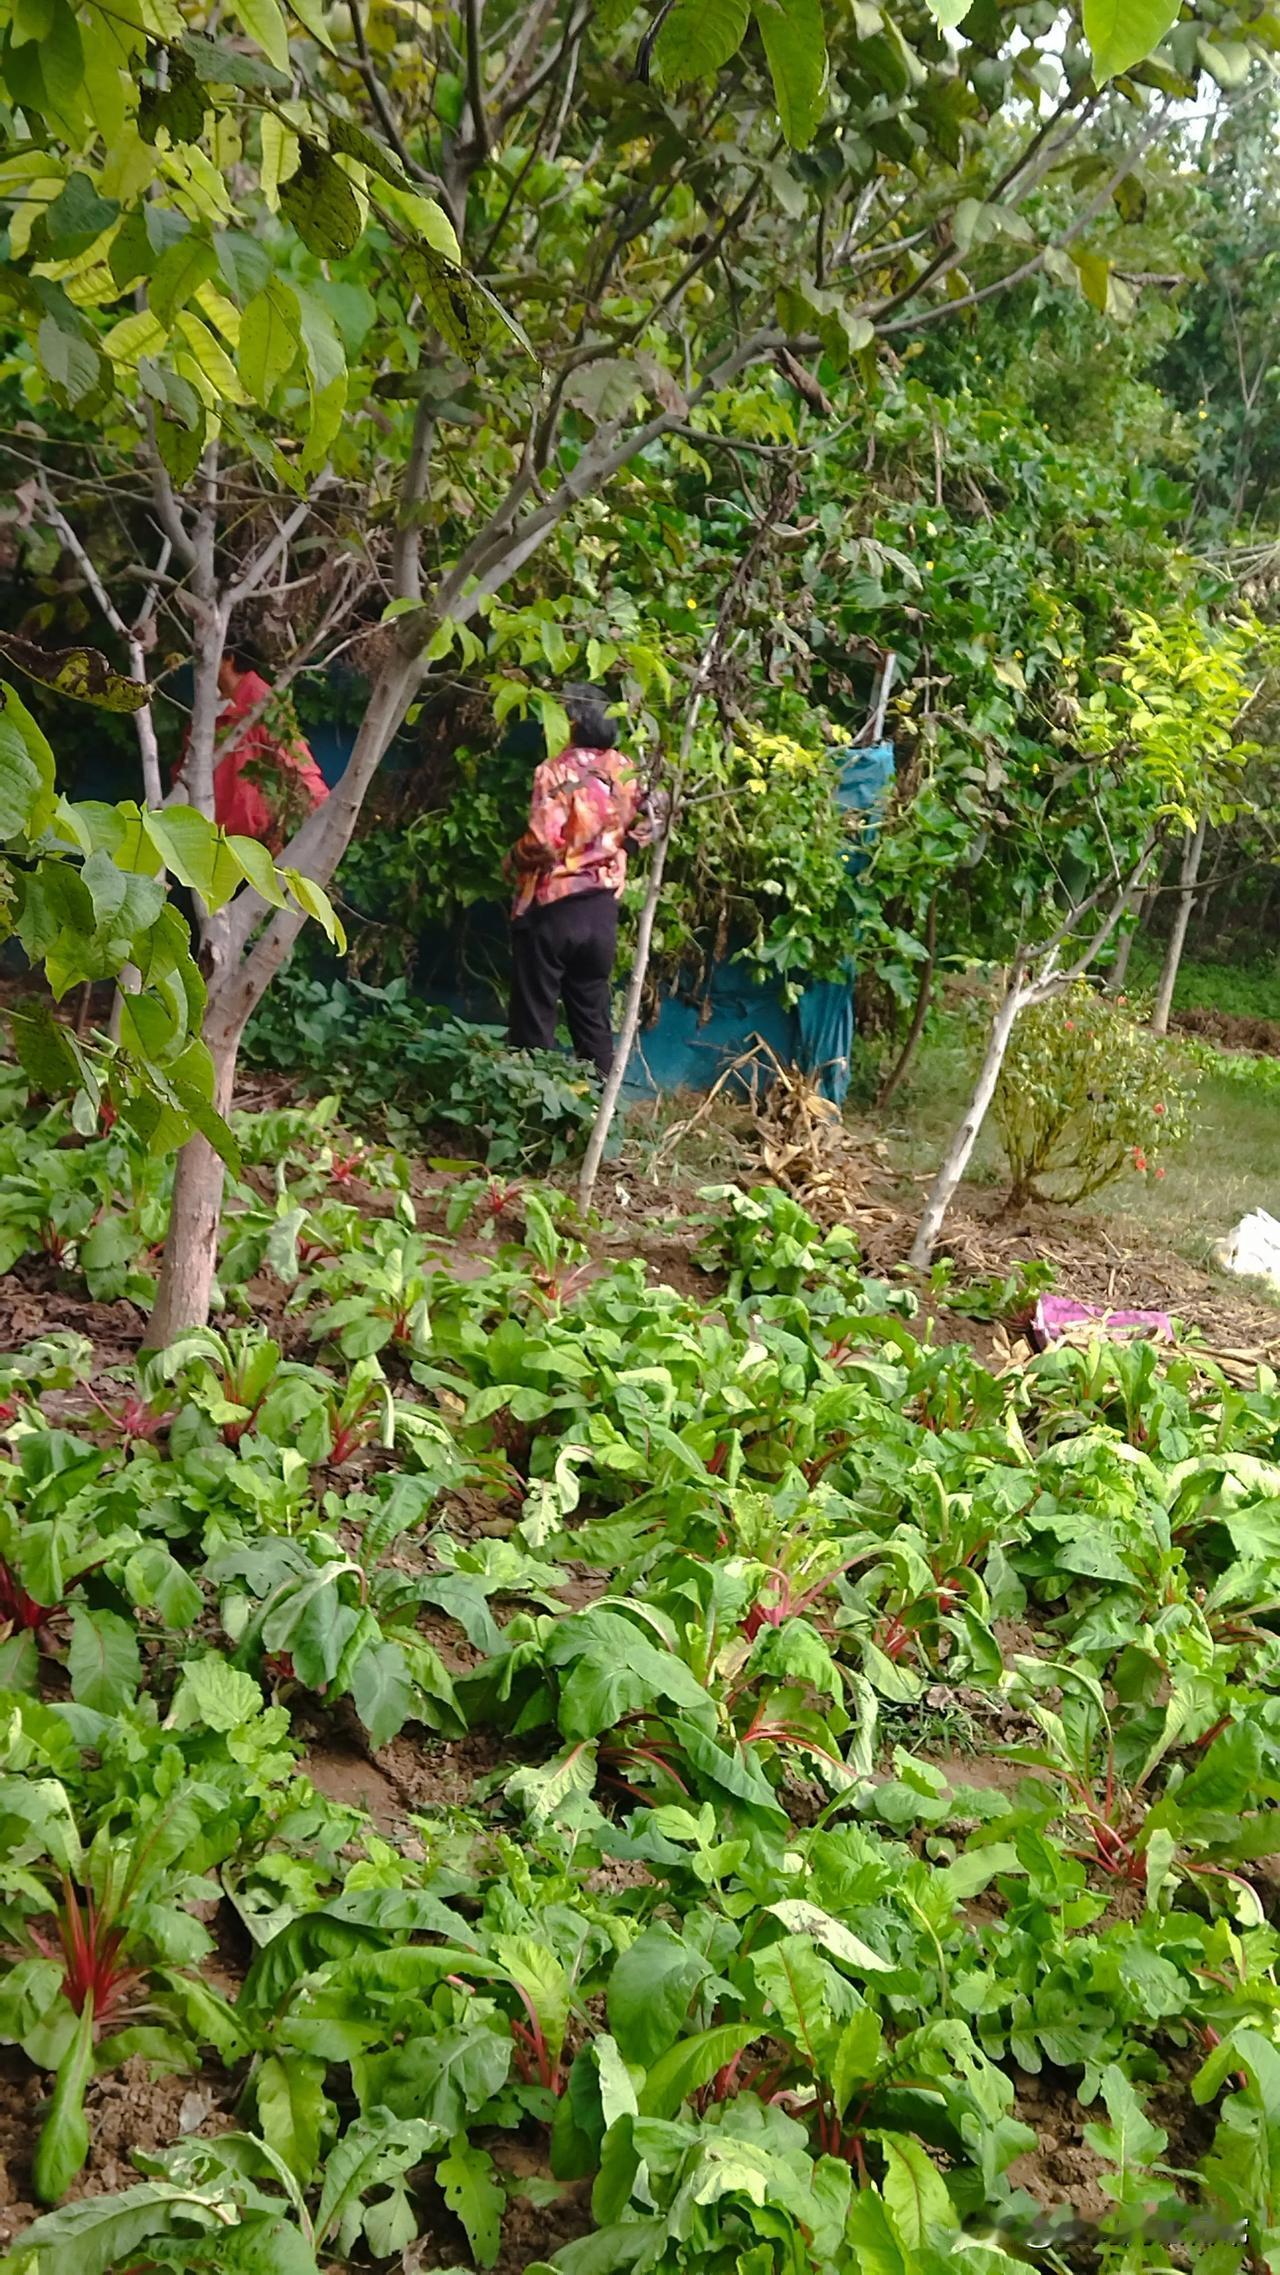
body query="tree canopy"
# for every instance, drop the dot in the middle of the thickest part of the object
(467, 344)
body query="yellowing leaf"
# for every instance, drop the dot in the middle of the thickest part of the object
(81, 673)
(327, 407)
(310, 14)
(428, 220)
(314, 901)
(279, 157)
(264, 23)
(914, 2192)
(269, 338)
(212, 359)
(260, 869)
(137, 335)
(220, 311)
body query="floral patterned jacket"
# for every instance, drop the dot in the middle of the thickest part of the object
(586, 805)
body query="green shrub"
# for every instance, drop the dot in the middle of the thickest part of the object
(406, 1065)
(1256, 1071)
(1084, 1094)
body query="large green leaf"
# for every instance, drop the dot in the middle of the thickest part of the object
(696, 37)
(179, 273)
(70, 362)
(795, 43)
(650, 1990)
(374, 2150)
(77, 217)
(1121, 32)
(26, 771)
(915, 2192)
(103, 1660)
(197, 852)
(64, 2137)
(214, 1696)
(291, 2111)
(443, 2078)
(50, 1055)
(381, 1691)
(690, 2064)
(474, 2196)
(104, 2232)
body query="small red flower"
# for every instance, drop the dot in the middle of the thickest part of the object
(1159, 1172)
(1069, 1024)
(1139, 1158)
(1157, 1108)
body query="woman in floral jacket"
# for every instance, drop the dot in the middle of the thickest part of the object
(569, 869)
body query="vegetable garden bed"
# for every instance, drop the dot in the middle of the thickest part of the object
(508, 1762)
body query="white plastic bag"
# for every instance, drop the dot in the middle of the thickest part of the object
(1253, 1249)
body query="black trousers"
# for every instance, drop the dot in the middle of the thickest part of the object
(564, 953)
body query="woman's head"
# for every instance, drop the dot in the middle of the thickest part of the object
(233, 666)
(590, 725)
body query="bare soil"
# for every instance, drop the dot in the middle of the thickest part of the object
(1232, 1031)
(1062, 2168)
(128, 2110)
(531, 2231)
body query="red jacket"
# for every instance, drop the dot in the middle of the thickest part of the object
(245, 807)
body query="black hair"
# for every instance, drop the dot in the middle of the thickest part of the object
(241, 646)
(590, 724)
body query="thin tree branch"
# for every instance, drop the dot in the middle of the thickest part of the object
(377, 96)
(163, 496)
(259, 565)
(1030, 267)
(475, 84)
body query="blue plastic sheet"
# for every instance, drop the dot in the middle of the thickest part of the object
(689, 1044)
(824, 1014)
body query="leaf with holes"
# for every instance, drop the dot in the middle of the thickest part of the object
(320, 202)
(474, 2196)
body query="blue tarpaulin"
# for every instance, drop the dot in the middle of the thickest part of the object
(688, 1044)
(691, 1041)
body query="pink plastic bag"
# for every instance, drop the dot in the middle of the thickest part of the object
(1061, 1317)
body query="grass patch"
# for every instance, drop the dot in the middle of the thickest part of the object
(1229, 1165)
(1239, 991)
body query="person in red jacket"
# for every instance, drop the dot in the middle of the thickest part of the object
(265, 780)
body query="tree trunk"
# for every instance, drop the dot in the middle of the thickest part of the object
(240, 971)
(924, 997)
(195, 1215)
(1119, 971)
(1192, 854)
(956, 1160)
